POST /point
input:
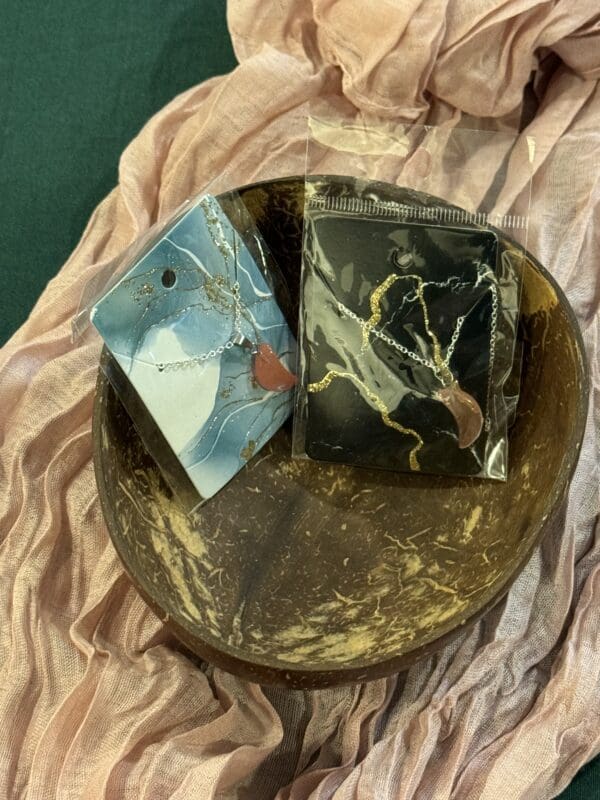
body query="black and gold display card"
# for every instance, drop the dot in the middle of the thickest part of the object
(404, 345)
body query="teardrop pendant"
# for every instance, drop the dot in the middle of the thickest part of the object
(465, 410)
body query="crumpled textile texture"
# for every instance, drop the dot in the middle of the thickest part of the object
(96, 698)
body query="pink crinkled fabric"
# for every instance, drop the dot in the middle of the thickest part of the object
(96, 699)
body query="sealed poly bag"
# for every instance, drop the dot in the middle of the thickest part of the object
(409, 312)
(203, 358)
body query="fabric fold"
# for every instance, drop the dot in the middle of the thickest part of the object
(102, 702)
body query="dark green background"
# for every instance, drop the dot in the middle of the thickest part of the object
(77, 82)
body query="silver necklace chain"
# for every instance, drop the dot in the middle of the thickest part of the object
(425, 362)
(493, 327)
(237, 337)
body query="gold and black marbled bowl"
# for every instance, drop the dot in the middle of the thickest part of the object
(309, 574)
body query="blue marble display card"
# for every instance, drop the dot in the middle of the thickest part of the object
(195, 327)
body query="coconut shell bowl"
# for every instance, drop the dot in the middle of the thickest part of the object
(309, 574)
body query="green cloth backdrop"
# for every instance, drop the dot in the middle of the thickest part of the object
(78, 79)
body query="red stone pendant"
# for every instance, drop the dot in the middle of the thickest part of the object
(269, 372)
(465, 410)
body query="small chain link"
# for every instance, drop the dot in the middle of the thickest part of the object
(493, 327)
(237, 312)
(454, 340)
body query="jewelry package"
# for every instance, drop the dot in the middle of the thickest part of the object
(203, 357)
(409, 358)
(407, 334)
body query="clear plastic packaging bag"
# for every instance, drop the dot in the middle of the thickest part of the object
(409, 309)
(202, 355)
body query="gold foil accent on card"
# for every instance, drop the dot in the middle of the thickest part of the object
(319, 386)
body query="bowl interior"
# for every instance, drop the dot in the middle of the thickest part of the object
(311, 574)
